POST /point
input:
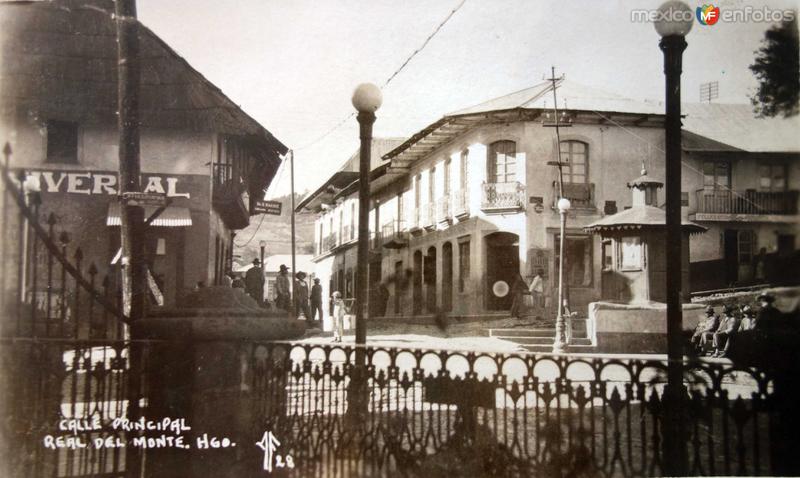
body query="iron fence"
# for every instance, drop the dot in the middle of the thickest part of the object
(338, 411)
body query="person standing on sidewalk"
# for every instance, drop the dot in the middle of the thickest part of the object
(316, 301)
(301, 296)
(254, 282)
(338, 316)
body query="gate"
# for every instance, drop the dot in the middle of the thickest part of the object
(66, 359)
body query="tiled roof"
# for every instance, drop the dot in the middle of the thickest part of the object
(638, 217)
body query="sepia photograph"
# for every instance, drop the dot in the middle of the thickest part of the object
(371, 238)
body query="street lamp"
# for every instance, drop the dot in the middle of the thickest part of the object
(560, 343)
(673, 22)
(367, 98)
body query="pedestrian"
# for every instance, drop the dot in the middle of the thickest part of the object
(237, 283)
(283, 295)
(748, 319)
(254, 282)
(537, 294)
(301, 296)
(518, 289)
(338, 316)
(316, 302)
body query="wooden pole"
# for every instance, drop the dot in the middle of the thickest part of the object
(134, 279)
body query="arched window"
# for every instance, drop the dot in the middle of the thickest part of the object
(501, 162)
(575, 156)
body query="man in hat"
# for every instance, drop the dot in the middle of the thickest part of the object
(301, 295)
(728, 326)
(705, 329)
(283, 298)
(769, 317)
(254, 282)
(316, 301)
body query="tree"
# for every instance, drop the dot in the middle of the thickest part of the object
(777, 71)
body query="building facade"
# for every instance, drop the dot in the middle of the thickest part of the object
(198, 149)
(467, 205)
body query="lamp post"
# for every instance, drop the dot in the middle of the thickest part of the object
(674, 21)
(367, 99)
(560, 342)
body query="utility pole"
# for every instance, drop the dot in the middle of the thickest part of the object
(560, 341)
(292, 312)
(133, 265)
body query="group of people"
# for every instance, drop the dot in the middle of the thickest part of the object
(714, 335)
(307, 301)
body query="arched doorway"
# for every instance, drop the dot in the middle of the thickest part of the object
(502, 268)
(447, 277)
(417, 279)
(430, 280)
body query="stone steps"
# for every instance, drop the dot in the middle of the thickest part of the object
(540, 339)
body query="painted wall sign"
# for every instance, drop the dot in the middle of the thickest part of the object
(104, 183)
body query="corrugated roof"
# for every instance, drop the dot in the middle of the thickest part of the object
(572, 96)
(637, 218)
(59, 61)
(731, 127)
(380, 146)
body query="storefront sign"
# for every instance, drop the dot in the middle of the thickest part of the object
(103, 183)
(267, 207)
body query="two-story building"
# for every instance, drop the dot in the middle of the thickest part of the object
(741, 177)
(336, 228)
(58, 103)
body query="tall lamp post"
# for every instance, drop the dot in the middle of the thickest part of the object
(560, 342)
(367, 98)
(674, 21)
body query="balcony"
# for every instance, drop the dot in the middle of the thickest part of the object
(503, 197)
(460, 204)
(229, 197)
(580, 195)
(375, 239)
(349, 233)
(443, 215)
(394, 235)
(747, 205)
(329, 243)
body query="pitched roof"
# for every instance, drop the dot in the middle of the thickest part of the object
(525, 105)
(638, 217)
(734, 127)
(59, 60)
(572, 96)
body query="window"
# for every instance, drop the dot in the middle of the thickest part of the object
(401, 212)
(578, 251)
(463, 169)
(62, 141)
(463, 264)
(340, 237)
(772, 177)
(447, 177)
(747, 242)
(352, 221)
(608, 255)
(417, 198)
(501, 162)
(630, 253)
(716, 175)
(432, 185)
(575, 156)
(684, 199)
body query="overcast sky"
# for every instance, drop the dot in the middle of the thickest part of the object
(293, 64)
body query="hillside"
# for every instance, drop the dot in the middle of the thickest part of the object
(276, 231)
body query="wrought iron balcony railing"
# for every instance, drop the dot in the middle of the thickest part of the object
(719, 201)
(503, 196)
(394, 234)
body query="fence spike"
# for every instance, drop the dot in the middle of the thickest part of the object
(7, 149)
(63, 238)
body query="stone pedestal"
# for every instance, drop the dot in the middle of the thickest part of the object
(199, 368)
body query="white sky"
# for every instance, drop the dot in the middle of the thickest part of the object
(293, 64)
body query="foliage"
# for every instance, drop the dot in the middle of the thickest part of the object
(777, 71)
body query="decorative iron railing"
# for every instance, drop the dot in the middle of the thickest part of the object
(412, 412)
(65, 347)
(718, 201)
(503, 196)
(394, 232)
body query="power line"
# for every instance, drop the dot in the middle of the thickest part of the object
(392, 76)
